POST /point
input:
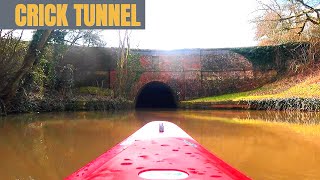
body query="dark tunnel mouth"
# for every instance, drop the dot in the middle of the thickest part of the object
(156, 95)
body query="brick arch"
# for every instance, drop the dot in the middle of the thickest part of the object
(157, 83)
(174, 80)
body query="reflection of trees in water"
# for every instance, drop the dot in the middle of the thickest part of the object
(38, 144)
(297, 117)
(2, 122)
(39, 148)
(146, 116)
(63, 142)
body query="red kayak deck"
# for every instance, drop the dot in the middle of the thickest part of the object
(171, 154)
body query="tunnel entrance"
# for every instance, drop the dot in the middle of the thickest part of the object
(156, 95)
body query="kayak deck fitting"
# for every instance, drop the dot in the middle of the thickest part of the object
(159, 150)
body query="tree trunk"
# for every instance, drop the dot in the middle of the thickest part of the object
(36, 46)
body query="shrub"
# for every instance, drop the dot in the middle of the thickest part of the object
(96, 91)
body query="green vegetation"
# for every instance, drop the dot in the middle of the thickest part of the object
(96, 91)
(134, 71)
(34, 79)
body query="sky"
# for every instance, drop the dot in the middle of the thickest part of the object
(179, 24)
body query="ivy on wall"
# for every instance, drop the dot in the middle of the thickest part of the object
(273, 57)
(262, 58)
(135, 70)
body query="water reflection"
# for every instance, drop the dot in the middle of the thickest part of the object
(53, 145)
(279, 116)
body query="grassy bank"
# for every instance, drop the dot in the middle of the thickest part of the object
(298, 92)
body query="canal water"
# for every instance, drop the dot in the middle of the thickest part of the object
(264, 145)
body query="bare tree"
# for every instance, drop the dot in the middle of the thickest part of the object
(296, 14)
(122, 63)
(88, 38)
(290, 21)
(36, 46)
(281, 21)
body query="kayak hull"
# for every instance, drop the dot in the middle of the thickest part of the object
(152, 154)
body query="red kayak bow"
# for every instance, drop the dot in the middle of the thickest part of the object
(159, 150)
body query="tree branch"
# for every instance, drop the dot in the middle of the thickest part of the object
(310, 7)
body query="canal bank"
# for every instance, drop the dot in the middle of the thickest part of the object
(74, 103)
(297, 92)
(283, 104)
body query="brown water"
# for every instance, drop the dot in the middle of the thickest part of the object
(53, 145)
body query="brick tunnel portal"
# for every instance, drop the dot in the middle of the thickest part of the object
(156, 95)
